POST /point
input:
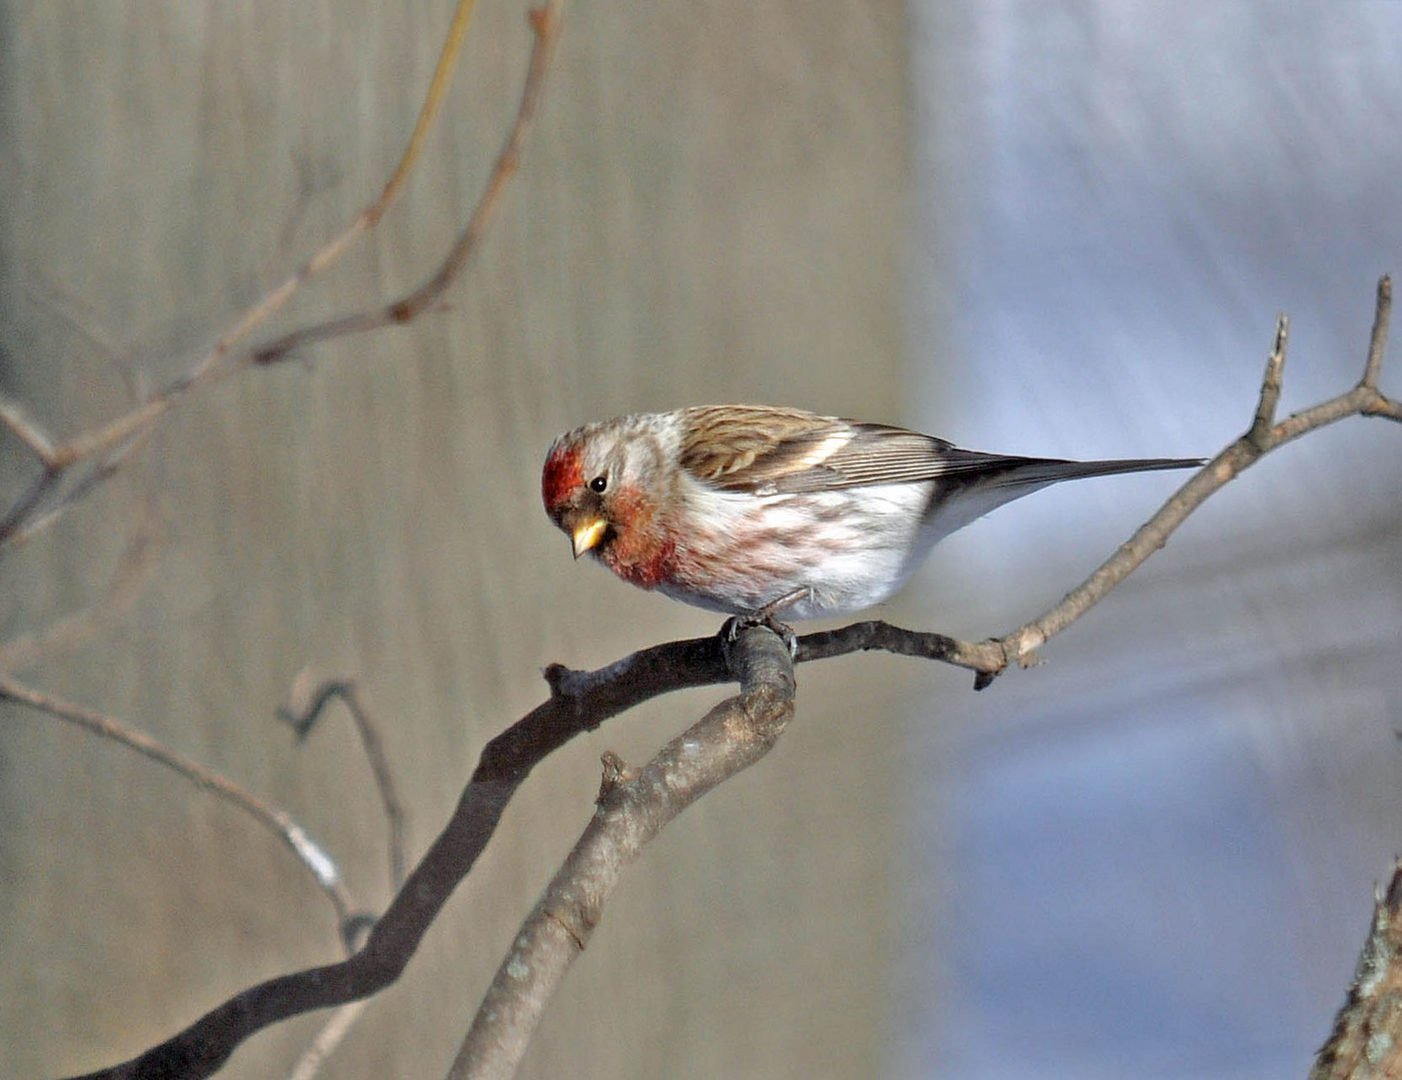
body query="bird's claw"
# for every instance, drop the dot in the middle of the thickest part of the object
(738, 624)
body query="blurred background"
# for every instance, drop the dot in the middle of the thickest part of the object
(1058, 228)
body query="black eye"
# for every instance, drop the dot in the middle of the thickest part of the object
(599, 484)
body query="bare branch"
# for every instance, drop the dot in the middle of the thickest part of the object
(12, 524)
(310, 854)
(633, 808)
(581, 701)
(990, 658)
(128, 579)
(12, 415)
(1377, 341)
(302, 716)
(221, 359)
(546, 22)
(308, 702)
(327, 1039)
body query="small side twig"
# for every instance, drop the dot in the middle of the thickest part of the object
(310, 854)
(133, 570)
(221, 359)
(545, 21)
(1271, 384)
(302, 717)
(307, 705)
(13, 416)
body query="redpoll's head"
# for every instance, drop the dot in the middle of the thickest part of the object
(602, 484)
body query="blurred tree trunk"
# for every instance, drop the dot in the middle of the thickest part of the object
(709, 210)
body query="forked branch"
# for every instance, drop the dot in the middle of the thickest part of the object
(634, 806)
(114, 438)
(988, 659)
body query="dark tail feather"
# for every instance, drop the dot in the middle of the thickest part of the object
(983, 482)
(1039, 471)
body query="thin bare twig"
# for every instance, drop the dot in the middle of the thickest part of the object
(13, 416)
(311, 855)
(1377, 341)
(1271, 384)
(546, 23)
(302, 717)
(308, 703)
(12, 524)
(332, 1033)
(990, 658)
(221, 359)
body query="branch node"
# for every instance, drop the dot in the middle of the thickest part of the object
(616, 772)
(555, 676)
(355, 930)
(308, 699)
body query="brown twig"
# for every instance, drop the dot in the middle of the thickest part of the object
(990, 658)
(302, 717)
(311, 855)
(546, 23)
(332, 1033)
(221, 358)
(27, 431)
(632, 810)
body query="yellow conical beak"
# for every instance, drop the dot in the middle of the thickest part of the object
(587, 535)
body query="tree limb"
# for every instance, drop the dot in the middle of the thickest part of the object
(581, 701)
(633, 807)
(116, 436)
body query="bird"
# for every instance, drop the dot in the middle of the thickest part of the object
(757, 510)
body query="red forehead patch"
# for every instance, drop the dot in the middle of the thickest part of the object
(563, 475)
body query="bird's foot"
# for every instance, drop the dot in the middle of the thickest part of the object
(765, 616)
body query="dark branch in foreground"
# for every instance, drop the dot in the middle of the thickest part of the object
(581, 701)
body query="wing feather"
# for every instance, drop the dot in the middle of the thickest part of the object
(763, 450)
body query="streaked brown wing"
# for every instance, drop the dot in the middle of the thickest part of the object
(764, 450)
(879, 454)
(743, 447)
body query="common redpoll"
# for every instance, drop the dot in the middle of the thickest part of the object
(736, 507)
